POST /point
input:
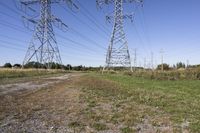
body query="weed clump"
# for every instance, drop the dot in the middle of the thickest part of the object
(100, 126)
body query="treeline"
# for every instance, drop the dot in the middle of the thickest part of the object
(184, 74)
(37, 65)
(179, 65)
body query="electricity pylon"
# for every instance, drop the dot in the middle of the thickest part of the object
(152, 61)
(161, 53)
(43, 47)
(118, 53)
(135, 59)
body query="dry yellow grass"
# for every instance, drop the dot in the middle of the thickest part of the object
(22, 75)
(15, 73)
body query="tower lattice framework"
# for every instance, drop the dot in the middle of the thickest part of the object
(118, 52)
(43, 47)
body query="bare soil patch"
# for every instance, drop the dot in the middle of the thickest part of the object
(45, 106)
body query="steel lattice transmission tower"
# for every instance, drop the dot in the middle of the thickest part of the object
(118, 53)
(43, 47)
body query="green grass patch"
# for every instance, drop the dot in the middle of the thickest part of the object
(133, 98)
(127, 130)
(99, 126)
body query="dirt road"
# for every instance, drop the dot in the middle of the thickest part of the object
(38, 106)
(31, 85)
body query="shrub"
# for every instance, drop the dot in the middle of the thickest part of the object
(189, 74)
(7, 65)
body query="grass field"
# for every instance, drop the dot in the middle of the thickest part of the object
(114, 103)
(132, 101)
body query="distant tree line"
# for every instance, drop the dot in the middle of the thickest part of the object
(8, 65)
(52, 65)
(178, 65)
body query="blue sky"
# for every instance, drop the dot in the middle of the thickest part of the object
(171, 25)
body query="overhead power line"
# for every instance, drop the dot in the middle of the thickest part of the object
(88, 39)
(6, 43)
(81, 21)
(14, 27)
(8, 7)
(75, 31)
(18, 28)
(94, 20)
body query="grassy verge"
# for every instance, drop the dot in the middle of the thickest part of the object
(136, 103)
(185, 74)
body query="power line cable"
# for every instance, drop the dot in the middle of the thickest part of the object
(5, 36)
(18, 28)
(80, 20)
(6, 14)
(14, 27)
(87, 39)
(11, 47)
(140, 38)
(61, 44)
(93, 19)
(75, 42)
(11, 9)
(21, 49)
(17, 49)
(81, 35)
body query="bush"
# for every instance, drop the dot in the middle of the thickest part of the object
(128, 73)
(198, 76)
(17, 65)
(186, 74)
(7, 65)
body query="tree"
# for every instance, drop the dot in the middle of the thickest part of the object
(54, 65)
(165, 67)
(34, 64)
(7, 65)
(180, 65)
(17, 65)
(68, 67)
(78, 68)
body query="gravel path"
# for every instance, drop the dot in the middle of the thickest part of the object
(39, 106)
(17, 88)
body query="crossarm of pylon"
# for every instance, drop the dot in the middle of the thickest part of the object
(59, 23)
(131, 1)
(29, 2)
(100, 3)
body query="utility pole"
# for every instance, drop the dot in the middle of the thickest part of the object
(152, 60)
(144, 63)
(161, 53)
(156, 64)
(140, 65)
(43, 47)
(118, 53)
(135, 59)
(188, 63)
